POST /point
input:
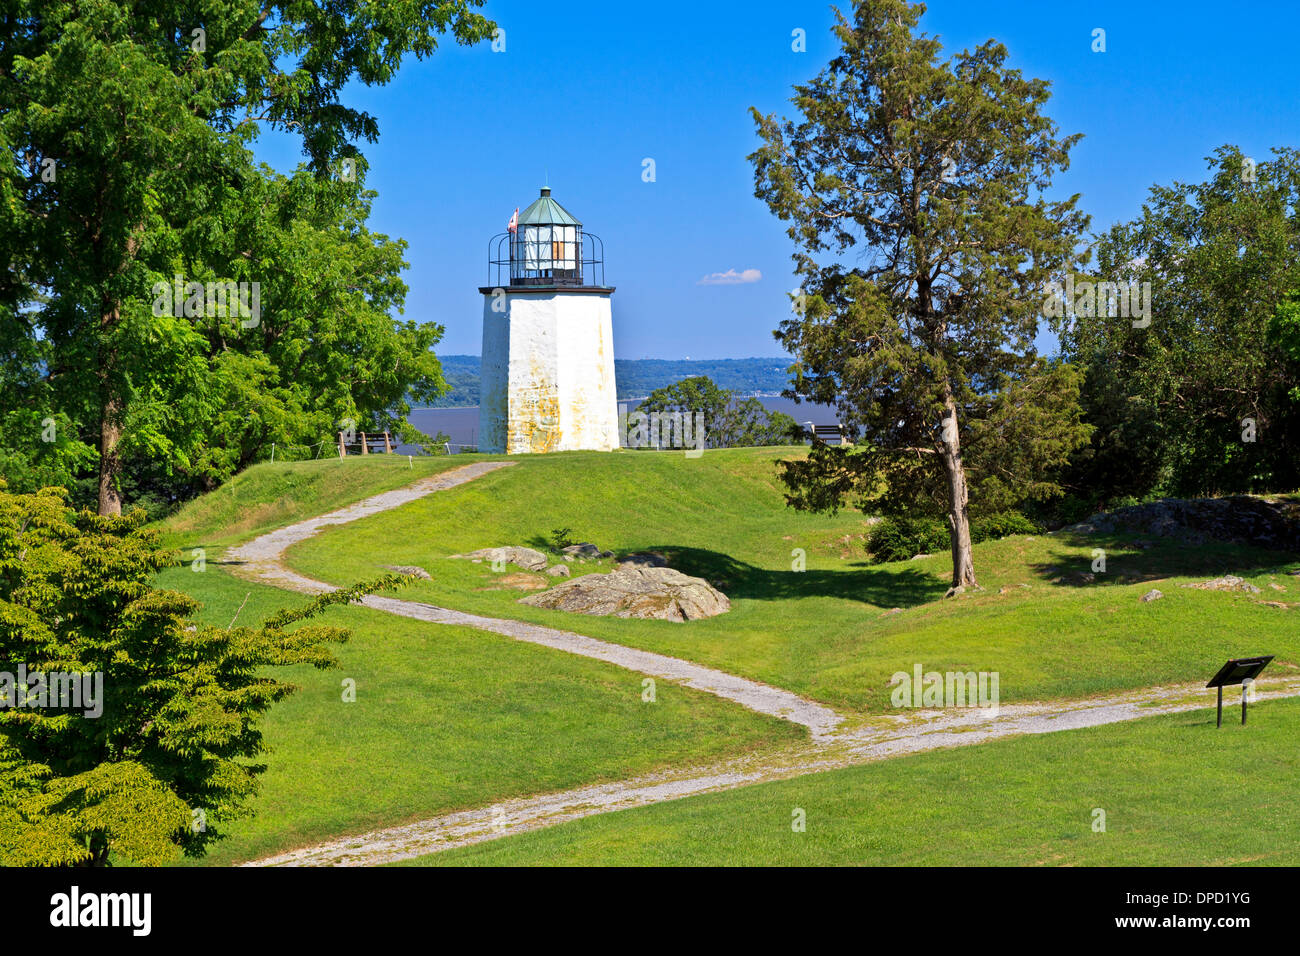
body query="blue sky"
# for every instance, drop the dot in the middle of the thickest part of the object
(584, 92)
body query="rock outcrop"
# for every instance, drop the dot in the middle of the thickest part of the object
(1241, 518)
(660, 594)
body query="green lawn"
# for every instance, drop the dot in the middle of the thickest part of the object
(450, 717)
(269, 496)
(823, 632)
(1175, 791)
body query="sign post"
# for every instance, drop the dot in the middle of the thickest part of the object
(1240, 670)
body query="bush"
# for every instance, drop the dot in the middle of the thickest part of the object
(900, 538)
(1001, 525)
(897, 539)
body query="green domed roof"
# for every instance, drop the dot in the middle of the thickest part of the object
(546, 211)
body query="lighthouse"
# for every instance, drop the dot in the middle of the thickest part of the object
(547, 379)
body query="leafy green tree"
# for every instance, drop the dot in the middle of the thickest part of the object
(746, 423)
(698, 395)
(729, 422)
(177, 728)
(1284, 333)
(131, 124)
(927, 176)
(1194, 399)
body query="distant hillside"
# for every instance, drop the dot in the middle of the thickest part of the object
(639, 377)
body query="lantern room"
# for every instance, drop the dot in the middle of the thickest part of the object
(546, 247)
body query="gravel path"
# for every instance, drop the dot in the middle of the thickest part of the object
(921, 732)
(262, 559)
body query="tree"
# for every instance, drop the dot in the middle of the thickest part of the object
(1197, 392)
(130, 124)
(163, 759)
(729, 422)
(930, 177)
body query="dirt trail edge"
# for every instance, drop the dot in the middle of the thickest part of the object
(262, 560)
(931, 730)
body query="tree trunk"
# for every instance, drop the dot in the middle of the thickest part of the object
(110, 463)
(963, 565)
(110, 425)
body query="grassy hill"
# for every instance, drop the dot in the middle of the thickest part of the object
(448, 717)
(445, 717)
(826, 632)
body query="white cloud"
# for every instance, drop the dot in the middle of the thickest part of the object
(731, 277)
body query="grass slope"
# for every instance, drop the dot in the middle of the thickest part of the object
(824, 632)
(271, 495)
(1175, 791)
(449, 717)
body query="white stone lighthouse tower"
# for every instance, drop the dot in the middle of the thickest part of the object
(547, 381)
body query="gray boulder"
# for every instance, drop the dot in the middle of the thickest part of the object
(525, 558)
(660, 594)
(1263, 522)
(559, 571)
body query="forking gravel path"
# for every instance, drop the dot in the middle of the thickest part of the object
(262, 560)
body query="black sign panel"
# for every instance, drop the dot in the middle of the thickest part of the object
(1238, 670)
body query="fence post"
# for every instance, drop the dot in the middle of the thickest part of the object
(364, 449)
(343, 451)
(388, 444)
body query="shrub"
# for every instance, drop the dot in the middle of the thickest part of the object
(1001, 525)
(900, 538)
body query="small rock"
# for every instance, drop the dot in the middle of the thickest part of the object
(918, 557)
(409, 569)
(1284, 607)
(1152, 595)
(584, 550)
(1229, 582)
(525, 558)
(1004, 590)
(892, 610)
(1277, 587)
(559, 571)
